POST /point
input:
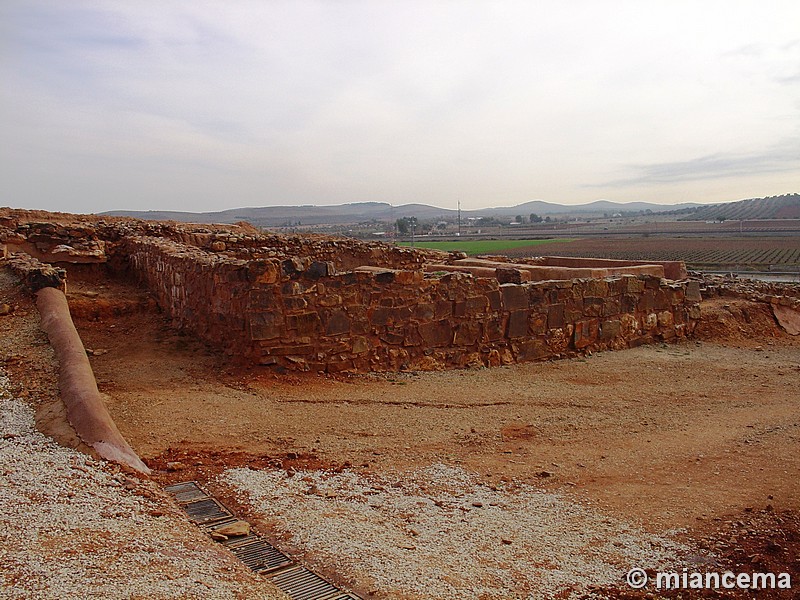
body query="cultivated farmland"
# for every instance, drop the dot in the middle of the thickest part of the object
(735, 253)
(474, 247)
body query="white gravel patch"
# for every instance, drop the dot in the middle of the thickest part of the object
(70, 529)
(440, 533)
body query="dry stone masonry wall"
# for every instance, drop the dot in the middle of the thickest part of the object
(336, 305)
(299, 313)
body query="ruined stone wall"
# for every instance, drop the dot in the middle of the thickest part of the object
(344, 253)
(203, 293)
(303, 314)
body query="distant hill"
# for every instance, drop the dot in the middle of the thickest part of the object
(278, 216)
(773, 207)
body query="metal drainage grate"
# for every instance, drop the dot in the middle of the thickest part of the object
(206, 510)
(259, 555)
(186, 492)
(301, 584)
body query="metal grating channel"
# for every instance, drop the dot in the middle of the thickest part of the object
(255, 552)
(206, 510)
(186, 492)
(301, 584)
(258, 554)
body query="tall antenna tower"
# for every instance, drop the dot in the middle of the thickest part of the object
(459, 218)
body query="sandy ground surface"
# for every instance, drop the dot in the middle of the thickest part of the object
(689, 449)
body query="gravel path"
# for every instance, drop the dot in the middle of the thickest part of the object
(439, 533)
(72, 527)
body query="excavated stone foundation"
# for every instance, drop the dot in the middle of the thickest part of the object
(338, 305)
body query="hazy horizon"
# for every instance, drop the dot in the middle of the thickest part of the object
(204, 106)
(433, 205)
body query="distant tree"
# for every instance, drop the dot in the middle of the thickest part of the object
(534, 218)
(547, 219)
(519, 218)
(402, 226)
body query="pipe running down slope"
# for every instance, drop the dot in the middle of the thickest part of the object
(85, 409)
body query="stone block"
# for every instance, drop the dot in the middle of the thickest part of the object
(360, 344)
(493, 330)
(337, 323)
(537, 324)
(494, 359)
(694, 312)
(610, 329)
(595, 288)
(444, 309)
(693, 292)
(292, 349)
(293, 266)
(661, 299)
(411, 335)
(586, 333)
(393, 335)
(379, 316)
(676, 294)
(511, 275)
(424, 311)
(515, 297)
(476, 305)
(306, 323)
(339, 366)
(530, 350)
(652, 283)
(295, 303)
(517, 326)
(628, 303)
(400, 314)
(263, 271)
(646, 302)
(436, 333)
(318, 269)
(629, 326)
(611, 306)
(409, 277)
(493, 296)
(262, 299)
(467, 333)
(616, 286)
(555, 316)
(634, 285)
(265, 325)
(593, 307)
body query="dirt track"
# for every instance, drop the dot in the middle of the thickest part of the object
(668, 433)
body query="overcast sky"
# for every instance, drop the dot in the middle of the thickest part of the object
(210, 105)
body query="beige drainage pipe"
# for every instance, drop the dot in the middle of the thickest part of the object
(85, 409)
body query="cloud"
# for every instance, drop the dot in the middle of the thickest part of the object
(208, 104)
(779, 158)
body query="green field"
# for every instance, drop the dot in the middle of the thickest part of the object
(474, 247)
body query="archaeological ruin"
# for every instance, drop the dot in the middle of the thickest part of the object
(313, 303)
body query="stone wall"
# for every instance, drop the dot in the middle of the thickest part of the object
(203, 293)
(302, 313)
